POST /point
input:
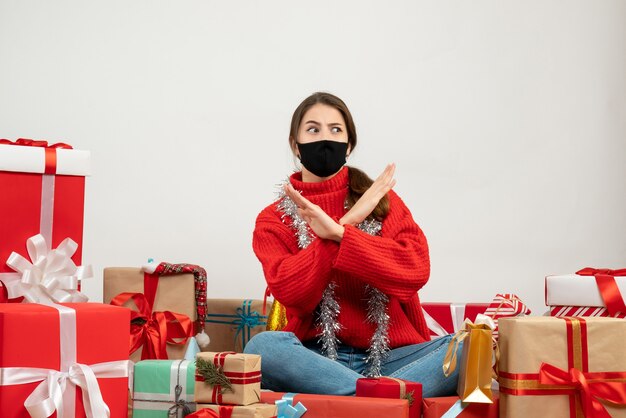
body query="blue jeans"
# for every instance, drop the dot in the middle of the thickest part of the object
(289, 366)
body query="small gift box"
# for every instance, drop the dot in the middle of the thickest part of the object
(451, 407)
(390, 387)
(166, 386)
(84, 363)
(505, 305)
(232, 322)
(589, 287)
(43, 192)
(323, 406)
(228, 378)
(562, 367)
(255, 410)
(475, 368)
(447, 318)
(173, 296)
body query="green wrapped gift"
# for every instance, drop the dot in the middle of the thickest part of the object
(164, 388)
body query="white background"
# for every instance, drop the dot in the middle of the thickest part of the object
(507, 121)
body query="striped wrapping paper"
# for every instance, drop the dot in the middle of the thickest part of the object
(505, 305)
(583, 311)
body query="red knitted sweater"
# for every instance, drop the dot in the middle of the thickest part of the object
(396, 262)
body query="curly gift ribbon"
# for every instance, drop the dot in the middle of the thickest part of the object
(153, 330)
(50, 277)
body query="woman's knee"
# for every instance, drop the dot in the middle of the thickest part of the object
(268, 340)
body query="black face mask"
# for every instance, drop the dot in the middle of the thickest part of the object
(323, 158)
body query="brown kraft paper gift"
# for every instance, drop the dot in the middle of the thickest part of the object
(228, 378)
(256, 410)
(230, 323)
(558, 367)
(175, 293)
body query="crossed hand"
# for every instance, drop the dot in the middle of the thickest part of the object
(324, 226)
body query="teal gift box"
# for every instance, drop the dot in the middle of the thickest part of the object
(164, 388)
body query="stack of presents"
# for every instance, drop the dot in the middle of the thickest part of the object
(138, 353)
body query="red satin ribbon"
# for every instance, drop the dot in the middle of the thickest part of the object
(236, 378)
(591, 391)
(159, 329)
(50, 151)
(226, 411)
(219, 360)
(150, 285)
(605, 279)
(204, 413)
(33, 143)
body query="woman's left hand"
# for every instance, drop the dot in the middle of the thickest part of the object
(322, 225)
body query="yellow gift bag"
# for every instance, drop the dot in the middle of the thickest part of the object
(477, 359)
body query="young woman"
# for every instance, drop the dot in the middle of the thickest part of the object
(343, 255)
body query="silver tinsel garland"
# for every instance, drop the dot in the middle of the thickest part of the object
(328, 309)
(376, 314)
(289, 210)
(328, 312)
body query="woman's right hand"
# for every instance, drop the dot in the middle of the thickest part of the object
(367, 203)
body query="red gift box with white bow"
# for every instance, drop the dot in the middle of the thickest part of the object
(43, 188)
(63, 360)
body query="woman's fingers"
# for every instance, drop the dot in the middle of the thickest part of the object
(298, 199)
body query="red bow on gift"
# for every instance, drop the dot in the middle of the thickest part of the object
(591, 386)
(153, 330)
(33, 143)
(605, 278)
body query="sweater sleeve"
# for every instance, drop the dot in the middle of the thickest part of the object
(297, 278)
(397, 262)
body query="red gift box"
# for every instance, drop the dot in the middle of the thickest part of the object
(323, 406)
(82, 338)
(388, 387)
(43, 188)
(437, 407)
(448, 318)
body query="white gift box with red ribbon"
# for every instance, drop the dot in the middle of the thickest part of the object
(585, 290)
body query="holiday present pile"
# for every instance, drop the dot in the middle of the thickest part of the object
(589, 292)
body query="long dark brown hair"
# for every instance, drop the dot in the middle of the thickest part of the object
(359, 181)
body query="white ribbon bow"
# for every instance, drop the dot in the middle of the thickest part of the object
(50, 276)
(48, 396)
